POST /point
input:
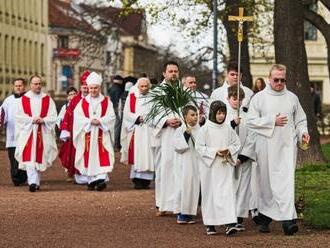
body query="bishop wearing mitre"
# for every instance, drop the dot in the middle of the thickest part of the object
(93, 135)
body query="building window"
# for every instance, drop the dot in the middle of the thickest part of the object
(42, 59)
(67, 77)
(25, 56)
(108, 58)
(13, 53)
(309, 29)
(6, 50)
(63, 41)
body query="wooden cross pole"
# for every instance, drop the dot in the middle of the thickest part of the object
(240, 19)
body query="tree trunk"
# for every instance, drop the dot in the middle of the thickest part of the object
(231, 29)
(290, 51)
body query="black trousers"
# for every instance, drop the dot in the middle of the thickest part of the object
(17, 176)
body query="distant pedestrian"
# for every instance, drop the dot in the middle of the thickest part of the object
(115, 92)
(259, 85)
(316, 99)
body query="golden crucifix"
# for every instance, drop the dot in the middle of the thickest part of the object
(240, 19)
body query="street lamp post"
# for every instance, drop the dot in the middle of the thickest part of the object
(215, 45)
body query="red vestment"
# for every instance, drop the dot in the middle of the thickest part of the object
(132, 106)
(67, 152)
(40, 146)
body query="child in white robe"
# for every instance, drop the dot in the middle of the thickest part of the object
(218, 145)
(186, 174)
(246, 155)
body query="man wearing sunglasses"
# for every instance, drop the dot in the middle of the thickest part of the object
(279, 121)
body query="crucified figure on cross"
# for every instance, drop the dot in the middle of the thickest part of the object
(240, 19)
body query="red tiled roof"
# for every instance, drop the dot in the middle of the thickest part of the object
(61, 14)
(130, 23)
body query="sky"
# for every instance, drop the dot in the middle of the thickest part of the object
(163, 33)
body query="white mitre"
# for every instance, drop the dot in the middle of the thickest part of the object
(94, 79)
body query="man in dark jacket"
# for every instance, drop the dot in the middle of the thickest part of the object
(115, 92)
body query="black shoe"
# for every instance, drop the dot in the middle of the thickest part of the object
(289, 227)
(16, 184)
(101, 185)
(210, 230)
(265, 219)
(33, 187)
(146, 184)
(264, 228)
(239, 220)
(230, 230)
(91, 186)
(38, 187)
(256, 220)
(138, 183)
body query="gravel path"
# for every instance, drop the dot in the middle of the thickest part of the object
(66, 215)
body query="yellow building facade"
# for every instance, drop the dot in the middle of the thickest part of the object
(316, 50)
(23, 41)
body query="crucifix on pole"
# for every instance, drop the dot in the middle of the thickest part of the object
(240, 19)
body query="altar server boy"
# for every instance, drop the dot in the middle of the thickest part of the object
(186, 167)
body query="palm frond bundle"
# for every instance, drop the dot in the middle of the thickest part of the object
(169, 98)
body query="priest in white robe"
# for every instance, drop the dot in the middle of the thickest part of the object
(279, 121)
(93, 135)
(218, 145)
(232, 78)
(35, 133)
(165, 131)
(139, 135)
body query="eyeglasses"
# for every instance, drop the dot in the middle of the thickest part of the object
(278, 80)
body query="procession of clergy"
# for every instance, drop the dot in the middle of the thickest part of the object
(232, 166)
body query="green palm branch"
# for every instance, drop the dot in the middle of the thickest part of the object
(169, 98)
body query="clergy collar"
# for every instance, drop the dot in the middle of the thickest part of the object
(227, 84)
(18, 95)
(213, 124)
(269, 90)
(99, 98)
(31, 94)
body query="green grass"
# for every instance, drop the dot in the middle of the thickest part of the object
(313, 184)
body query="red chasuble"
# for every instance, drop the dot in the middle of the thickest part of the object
(67, 152)
(132, 105)
(39, 145)
(103, 153)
